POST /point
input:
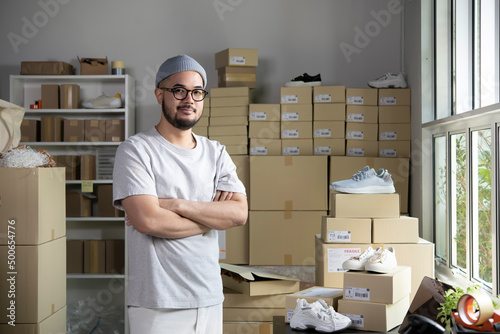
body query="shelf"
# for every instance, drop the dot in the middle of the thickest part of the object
(94, 276)
(106, 181)
(72, 143)
(96, 219)
(81, 112)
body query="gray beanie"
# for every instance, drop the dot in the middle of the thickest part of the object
(178, 64)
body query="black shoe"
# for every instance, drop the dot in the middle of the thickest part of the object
(305, 80)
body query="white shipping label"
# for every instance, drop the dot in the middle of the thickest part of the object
(290, 116)
(337, 256)
(234, 60)
(258, 116)
(344, 236)
(323, 150)
(289, 314)
(389, 135)
(222, 245)
(291, 151)
(388, 153)
(258, 150)
(388, 100)
(323, 133)
(356, 117)
(357, 320)
(357, 293)
(322, 98)
(290, 134)
(355, 134)
(354, 100)
(289, 99)
(356, 152)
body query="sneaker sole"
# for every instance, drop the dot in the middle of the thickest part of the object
(387, 86)
(302, 84)
(366, 190)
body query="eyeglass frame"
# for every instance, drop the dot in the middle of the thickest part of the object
(171, 90)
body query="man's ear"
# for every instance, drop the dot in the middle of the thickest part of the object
(159, 95)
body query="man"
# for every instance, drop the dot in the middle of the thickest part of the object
(177, 189)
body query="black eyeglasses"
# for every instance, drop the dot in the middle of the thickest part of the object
(179, 93)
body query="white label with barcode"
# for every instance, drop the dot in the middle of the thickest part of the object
(289, 314)
(354, 100)
(322, 98)
(291, 151)
(356, 152)
(357, 293)
(323, 150)
(356, 117)
(323, 133)
(290, 133)
(343, 236)
(388, 153)
(290, 116)
(388, 100)
(258, 150)
(357, 319)
(337, 256)
(258, 116)
(355, 134)
(389, 135)
(289, 99)
(235, 60)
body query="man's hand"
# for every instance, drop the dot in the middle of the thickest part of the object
(223, 196)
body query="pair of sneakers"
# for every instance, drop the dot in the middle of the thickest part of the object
(319, 316)
(366, 181)
(377, 260)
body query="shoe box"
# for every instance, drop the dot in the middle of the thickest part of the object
(247, 327)
(30, 130)
(264, 130)
(50, 96)
(364, 205)
(71, 163)
(346, 230)
(237, 76)
(394, 148)
(329, 94)
(395, 230)
(329, 112)
(297, 112)
(236, 57)
(329, 146)
(51, 129)
(228, 130)
(296, 95)
(229, 101)
(394, 97)
(265, 112)
(265, 146)
(94, 66)
(329, 129)
(329, 295)
(297, 147)
(55, 323)
(362, 114)
(361, 148)
(296, 130)
(393, 131)
(229, 111)
(362, 96)
(394, 114)
(361, 131)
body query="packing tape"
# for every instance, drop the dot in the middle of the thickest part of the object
(467, 311)
(288, 205)
(287, 214)
(265, 329)
(288, 160)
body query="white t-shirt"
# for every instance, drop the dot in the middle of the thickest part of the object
(172, 273)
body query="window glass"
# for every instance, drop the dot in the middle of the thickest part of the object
(440, 197)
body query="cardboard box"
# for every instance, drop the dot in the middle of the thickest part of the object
(233, 101)
(236, 57)
(233, 245)
(374, 316)
(71, 163)
(362, 148)
(50, 96)
(255, 282)
(237, 76)
(94, 256)
(88, 167)
(342, 168)
(105, 206)
(329, 112)
(94, 66)
(237, 149)
(394, 148)
(395, 230)
(30, 130)
(329, 146)
(115, 256)
(203, 121)
(365, 205)
(289, 175)
(235, 299)
(297, 130)
(229, 91)
(297, 146)
(398, 97)
(229, 111)
(329, 129)
(329, 295)
(263, 146)
(362, 114)
(52, 128)
(346, 230)
(251, 314)
(243, 170)
(296, 95)
(78, 204)
(297, 112)
(69, 96)
(54, 324)
(254, 327)
(31, 205)
(394, 114)
(200, 130)
(283, 237)
(362, 131)
(228, 130)
(46, 68)
(74, 256)
(395, 131)
(95, 130)
(378, 288)
(329, 94)
(39, 281)
(228, 120)
(264, 130)
(363, 96)
(73, 130)
(231, 140)
(265, 112)
(114, 130)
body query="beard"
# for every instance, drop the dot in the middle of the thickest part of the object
(172, 118)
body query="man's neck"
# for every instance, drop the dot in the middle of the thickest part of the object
(180, 138)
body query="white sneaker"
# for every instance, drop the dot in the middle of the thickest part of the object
(384, 263)
(389, 80)
(319, 316)
(359, 262)
(366, 181)
(104, 102)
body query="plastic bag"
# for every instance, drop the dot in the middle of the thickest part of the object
(11, 117)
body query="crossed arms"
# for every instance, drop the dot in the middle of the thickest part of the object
(179, 218)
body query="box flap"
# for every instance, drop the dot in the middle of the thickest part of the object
(252, 274)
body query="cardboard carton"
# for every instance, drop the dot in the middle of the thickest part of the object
(94, 256)
(234, 245)
(362, 96)
(73, 130)
(241, 149)
(236, 57)
(329, 129)
(247, 327)
(235, 299)
(52, 128)
(329, 146)
(329, 112)
(394, 148)
(395, 230)
(71, 163)
(395, 131)
(362, 148)
(54, 324)
(255, 282)
(263, 146)
(237, 76)
(329, 94)
(74, 256)
(264, 130)
(296, 129)
(229, 91)
(88, 167)
(329, 295)
(296, 95)
(265, 112)
(346, 230)
(95, 130)
(297, 146)
(241, 314)
(297, 112)
(46, 68)
(78, 204)
(362, 114)
(69, 96)
(362, 131)
(228, 120)
(365, 205)
(114, 130)
(94, 66)
(31, 205)
(115, 256)
(30, 130)
(229, 111)
(50, 96)
(105, 206)
(394, 114)
(397, 97)
(233, 101)
(228, 130)
(231, 140)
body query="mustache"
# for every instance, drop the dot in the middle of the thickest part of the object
(186, 106)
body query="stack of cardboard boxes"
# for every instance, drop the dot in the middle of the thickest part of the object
(394, 123)
(96, 256)
(237, 67)
(264, 129)
(32, 250)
